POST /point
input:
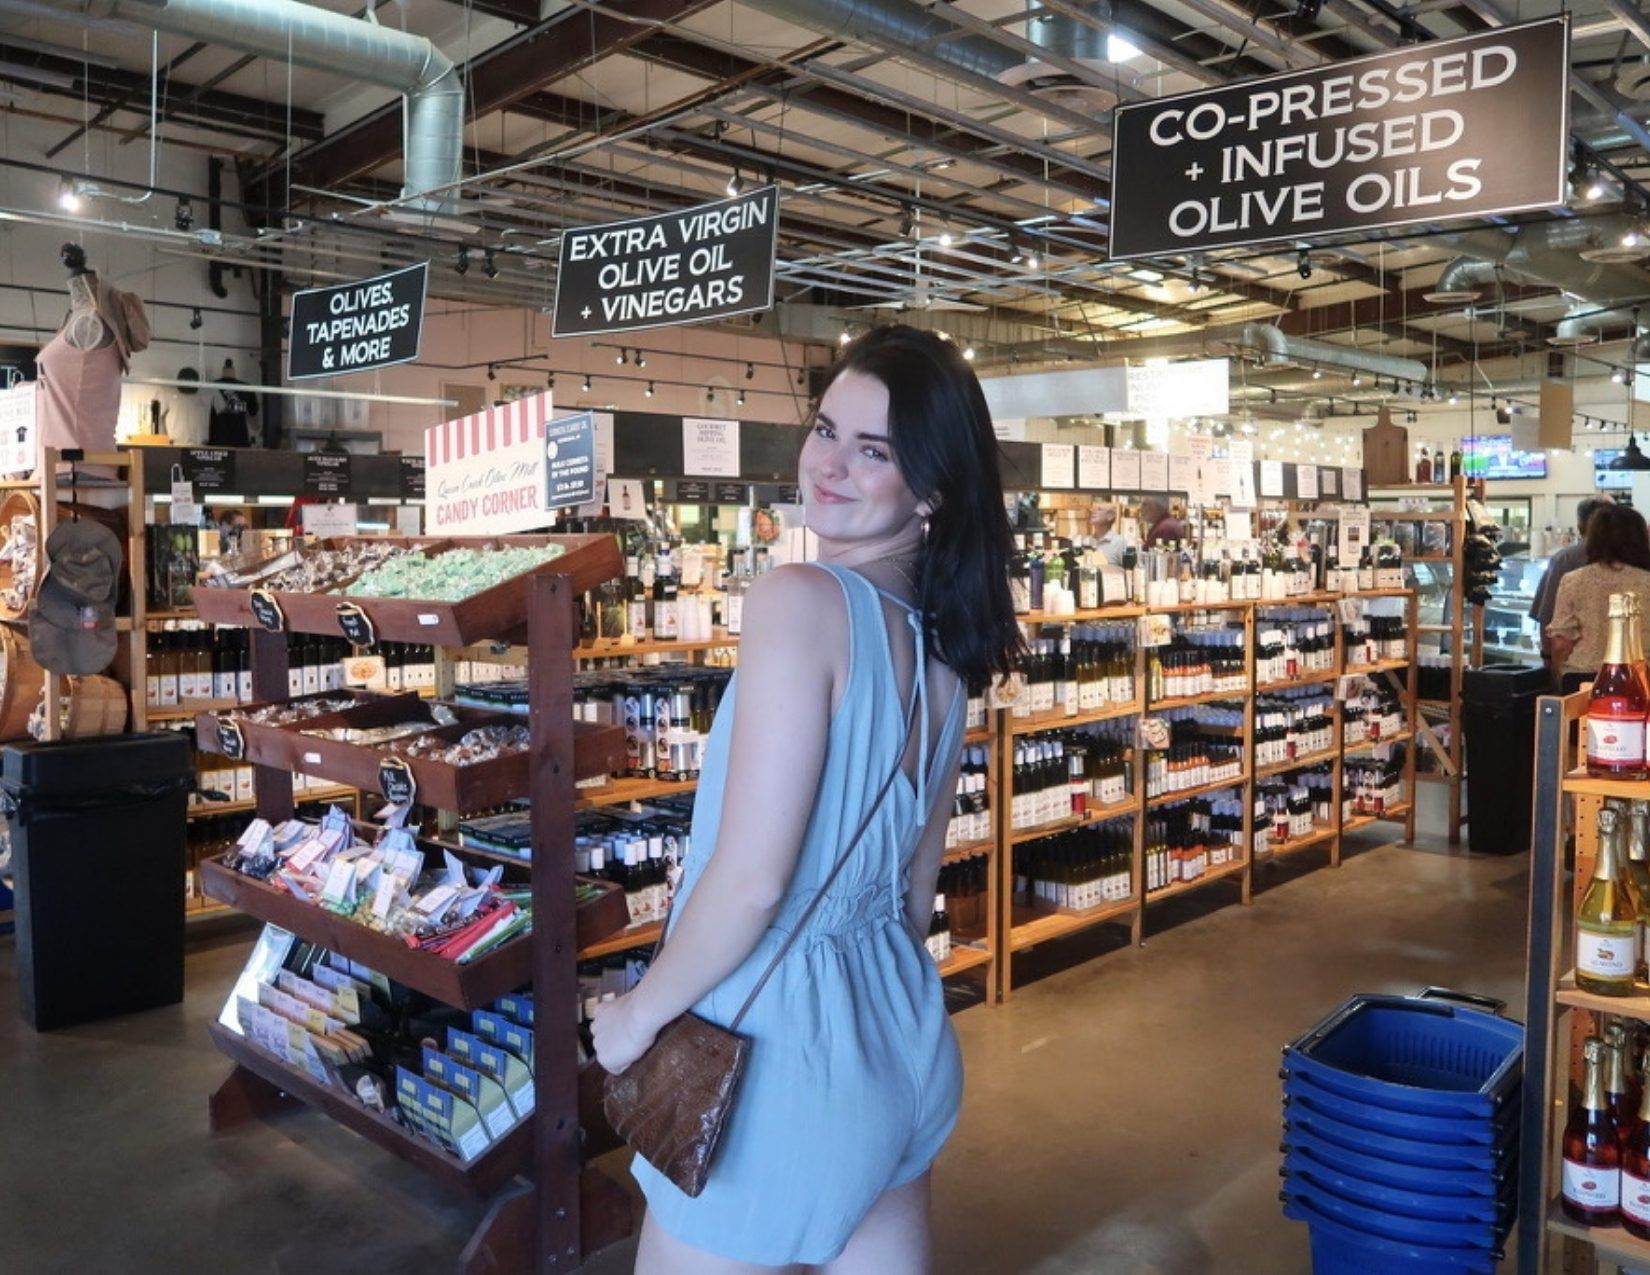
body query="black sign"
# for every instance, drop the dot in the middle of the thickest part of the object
(730, 493)
(690, 491)
(396, 781)
(231, 742)
(209, 468)
(354, 327)
(412, 477)
(789, 496)
(356, 625)
(1426, 133)
(327, 473)
(570, 450)
(267, 610)
(704, 262)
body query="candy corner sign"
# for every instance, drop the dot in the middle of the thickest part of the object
(706, 262)
(359, 326)
(1469, 127)
(487, 474)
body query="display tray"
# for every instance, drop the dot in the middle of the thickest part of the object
(597, 750)
(498, 612)
(474, 985)
(275, 745)
(481, 1176)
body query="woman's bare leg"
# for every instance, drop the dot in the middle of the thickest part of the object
(661, 1253)
(894, 1237)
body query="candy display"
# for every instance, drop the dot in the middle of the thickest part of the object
(368, 735)
(284, 714)
(316, 570)
(451, 576)
(484, 743)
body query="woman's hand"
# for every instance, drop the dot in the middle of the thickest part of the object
(620, 1032)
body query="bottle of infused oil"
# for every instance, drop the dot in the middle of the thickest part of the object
(1607, 922)
(1592, 1156)
(1621, 699)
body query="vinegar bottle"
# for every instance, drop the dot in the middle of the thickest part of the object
(1607, 920)
(1616, 713)
(1592, 1157)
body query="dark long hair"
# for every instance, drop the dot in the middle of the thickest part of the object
(948, 455)
(1616, 536)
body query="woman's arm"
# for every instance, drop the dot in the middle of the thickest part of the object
(925, 863)
(1564, 629)
(794, 632)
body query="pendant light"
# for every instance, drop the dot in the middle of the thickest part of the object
(1632, 458)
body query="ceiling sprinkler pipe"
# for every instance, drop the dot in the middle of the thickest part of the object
(1278, 349)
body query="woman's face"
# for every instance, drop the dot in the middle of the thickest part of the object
(851, 487)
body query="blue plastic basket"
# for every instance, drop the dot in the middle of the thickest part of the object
(1339, 1250)
(1413, 1054)
(1493, 1210)
(1395, 1226)
(1396, 1173)
(1401, 1124)
(1498, 1157)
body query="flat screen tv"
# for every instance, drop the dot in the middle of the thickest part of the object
(1607, 479)
(1492, 456)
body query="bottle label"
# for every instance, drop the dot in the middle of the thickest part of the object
(1635, 1198)
(1614, 740)
(1592, 1187)
(1604, 955)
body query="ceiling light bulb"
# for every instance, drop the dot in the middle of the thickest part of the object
(1317, 374)
(1596, 189)
(732, 187)
(1357, 379)
(619, 358)
(1120, 50)
(968, 353)
(945, 239)
(741, 399)
(587, 382)
(1031, 261)
(843, 338)
(649, 390)
(1619, 376)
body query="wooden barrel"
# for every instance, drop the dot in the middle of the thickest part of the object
(21, 681)
(20, 525)
(91, 706)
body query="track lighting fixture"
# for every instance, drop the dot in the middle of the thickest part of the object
(1031, 261)
(946, 239)
(184, 216)
(649, 390)
(741, 399)
(1303, 264)
(1619, 376)
(462, 265)
(710, 393)
(620, 358)
(968, 353)
(550, 381)
(750, 371)
(492, 372)
(843, 338)
(489, 266)
(587, 382)
(907, 222)
(1196, 283)
(195, 319)
(641, 359)
(732, 187)
(1357, 378)
(68, 195)
(1317, 374)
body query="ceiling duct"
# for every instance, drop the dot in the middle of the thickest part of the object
(285, 30)
(1068, 36)
(1583, 324)
(1463, 280)
(1278, 349)
(1571, 254)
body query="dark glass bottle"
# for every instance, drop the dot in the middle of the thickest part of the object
(1592, 1156)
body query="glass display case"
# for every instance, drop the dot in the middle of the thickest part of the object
(1510, 636)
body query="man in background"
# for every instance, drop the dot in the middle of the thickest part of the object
(1158, 522)
(1566, 560)
(1103, 526)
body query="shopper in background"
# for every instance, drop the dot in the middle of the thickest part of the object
(1569, 558)
(854, 1078)
(1159, 523)
(1103, 524)
(1618, 561)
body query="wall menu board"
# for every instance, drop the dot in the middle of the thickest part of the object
(1467, 127)
(327, 473)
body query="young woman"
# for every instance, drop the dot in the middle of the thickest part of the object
(1618, 561)
(854, 1077)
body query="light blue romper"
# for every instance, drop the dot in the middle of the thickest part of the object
(854, 1078)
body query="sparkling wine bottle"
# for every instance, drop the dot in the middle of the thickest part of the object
(1607, 920)
(1592, 1156)
(1635, 1172)
(1616, 713)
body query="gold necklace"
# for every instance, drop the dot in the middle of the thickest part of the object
(895, 561)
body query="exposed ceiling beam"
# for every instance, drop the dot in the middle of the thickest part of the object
(523, 13)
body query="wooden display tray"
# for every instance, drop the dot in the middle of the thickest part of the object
(474, 985)
(482, 1176)
(275, 746)
(499, 612)
(597, 750)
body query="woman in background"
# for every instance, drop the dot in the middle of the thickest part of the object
(1618, 561)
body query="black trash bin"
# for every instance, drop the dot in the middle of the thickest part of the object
(97, 836)
(1498, 724)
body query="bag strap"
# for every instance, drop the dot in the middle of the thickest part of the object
(836, 870)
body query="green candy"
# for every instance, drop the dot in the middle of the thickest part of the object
(451, 576)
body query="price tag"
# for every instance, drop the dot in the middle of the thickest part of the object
(356, 625)
(268, 611)
(231, 740)
(396, 781)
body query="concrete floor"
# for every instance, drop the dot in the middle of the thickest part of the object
(1121, 1114)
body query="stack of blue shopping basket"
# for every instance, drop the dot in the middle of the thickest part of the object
(1401, 1135)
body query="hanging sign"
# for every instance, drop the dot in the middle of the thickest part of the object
(1192, 387)
(266, 610)
(356, 625)
(1093, 467)
(730, 493)
(1329, 481)
(209, 468)
(1354, 533)
(1271, 478)
(710, 447)
(355, 327)
(1202, 487)
(1154, 471)
(397, 781)
(412, 478)
(570, 456)
(705, 262)
(487, 472)
(1181, 472)
(1306, 482)
(1469, 127)
(1058, 462)
(691, 492)
(231, 741)
(327, 473)
(1125, 469)
(17, 433)
(1243, 473)
(1352, 482)
(625, 498)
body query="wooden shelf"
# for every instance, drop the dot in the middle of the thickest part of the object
(187, 614)
(1231, 604)
(1098, 815)
(1610, 1243)
(491, 1169)
(1032, 926)
(1584, 785)
(1299, 763)
(1637, 1006)
(965, 956)
(1054, 721)
(1165, 798)
(188, 708)
(979, 735)
(1094, 615)
(970, 850)
(1380, 666)
(1186, 701)
(1394, 815)
(298, 799)
(613, 648)
(620, 791)
(1368, 745)
(624, 941)
(1309, 679)
(1318, 836)
(1213, 874)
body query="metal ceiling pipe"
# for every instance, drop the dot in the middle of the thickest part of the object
(1463, 279)
(308, 36)
(895, 24)
(1549, 253)
(1066, 34)
(1582, 323)
(1277, 349)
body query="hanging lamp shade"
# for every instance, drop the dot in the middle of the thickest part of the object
(1632, 458)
